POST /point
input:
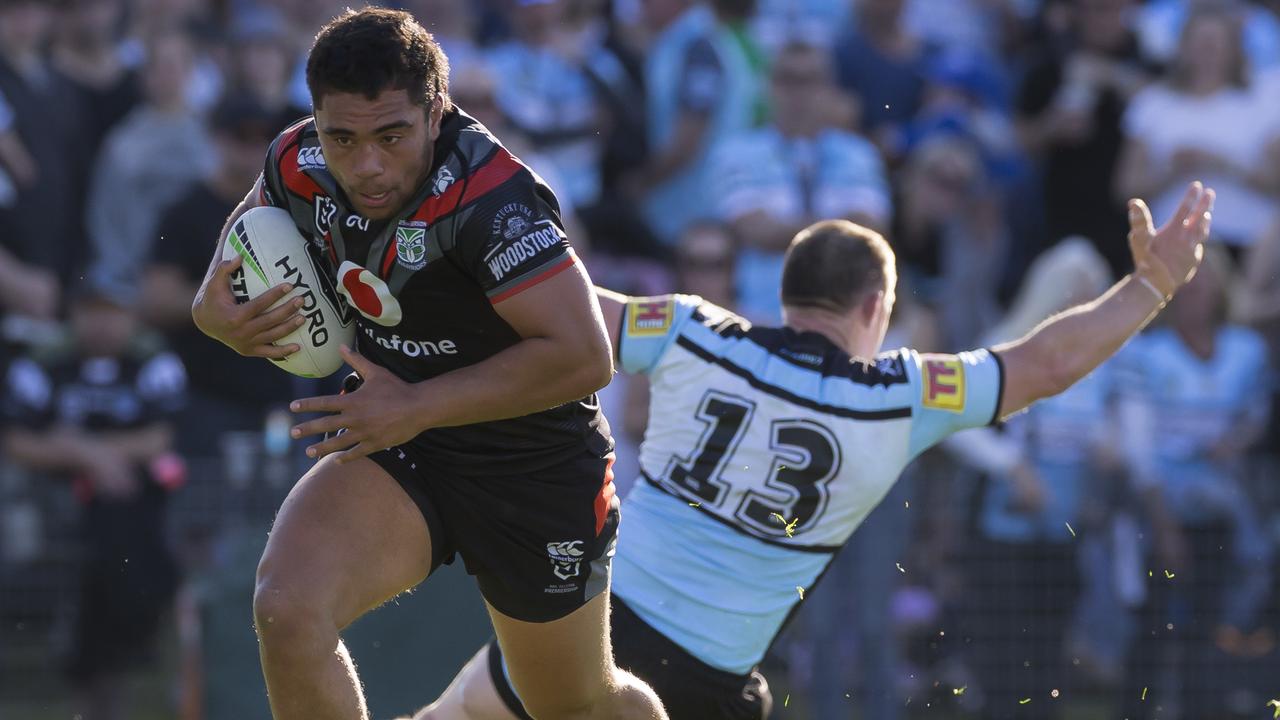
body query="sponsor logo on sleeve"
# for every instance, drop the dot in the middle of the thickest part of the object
(649, 317)
(368, 294)
(943, 386)
(310, 158)
(411, 244)
(523, 238)
(512, 221)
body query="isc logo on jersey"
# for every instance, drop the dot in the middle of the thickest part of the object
(649, 317)
(310, 158)
(274, 252)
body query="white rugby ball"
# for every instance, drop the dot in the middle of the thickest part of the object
(275, 252)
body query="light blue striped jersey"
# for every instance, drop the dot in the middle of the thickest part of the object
(766, 448)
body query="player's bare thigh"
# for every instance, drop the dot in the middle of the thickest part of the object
(346, 539)
(562, 665)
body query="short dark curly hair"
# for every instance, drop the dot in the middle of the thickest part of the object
(375, 49)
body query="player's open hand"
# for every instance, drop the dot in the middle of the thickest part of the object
(251, 328)
(1167, 258)
(377, 415)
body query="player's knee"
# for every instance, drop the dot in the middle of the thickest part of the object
(624, 697)
(287, 620)
(633, 699)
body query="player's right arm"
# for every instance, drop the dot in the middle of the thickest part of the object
(251, 328)
(1070, 345)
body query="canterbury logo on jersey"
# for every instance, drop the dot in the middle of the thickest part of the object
(310, 158)
(367, 293)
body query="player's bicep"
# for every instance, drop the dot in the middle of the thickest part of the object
(562, 309)
(613, 307)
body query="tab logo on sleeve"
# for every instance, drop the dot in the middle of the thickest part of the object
(943, 386)
(650, 317)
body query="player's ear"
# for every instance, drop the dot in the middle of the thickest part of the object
(870, 307)
(435, 114)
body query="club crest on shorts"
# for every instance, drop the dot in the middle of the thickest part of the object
(566, 558)
(411, 244)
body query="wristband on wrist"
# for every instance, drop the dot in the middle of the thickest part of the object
(1150, 286)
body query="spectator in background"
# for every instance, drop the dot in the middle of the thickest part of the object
(25, 289)
(1161, 22)
(1042, 470)
(884, 66)
(702, 83)
(149, 160)
(96, 412)
(815, 22)
(1258, 306)
(949, 236)
(964, 95)
(261, 65)
(1069, 112)
(150, 19)
(17, 168)
(38, 229)
(1191, 409)
(1203, 122)
(228, 392)
(594, 45)
(88, 50)
(545, 93)
(453, 24)
(965, 26)
(770, 183)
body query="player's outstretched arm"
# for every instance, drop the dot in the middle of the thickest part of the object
(1070, 345)
(251, 328)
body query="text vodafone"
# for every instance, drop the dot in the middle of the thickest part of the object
(413, 348)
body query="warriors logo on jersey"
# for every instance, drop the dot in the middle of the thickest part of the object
(411, 244)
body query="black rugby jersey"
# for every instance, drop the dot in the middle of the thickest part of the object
(482, 228)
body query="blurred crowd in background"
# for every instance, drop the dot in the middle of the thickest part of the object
(1109, 553)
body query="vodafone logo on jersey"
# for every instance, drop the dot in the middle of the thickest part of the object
(368, 294)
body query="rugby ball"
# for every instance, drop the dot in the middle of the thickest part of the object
(275, 252)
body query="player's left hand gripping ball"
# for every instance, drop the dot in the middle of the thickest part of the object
(376, 416)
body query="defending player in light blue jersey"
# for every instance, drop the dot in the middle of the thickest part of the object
(767, 447)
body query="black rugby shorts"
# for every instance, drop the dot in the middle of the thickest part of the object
(540, 543)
